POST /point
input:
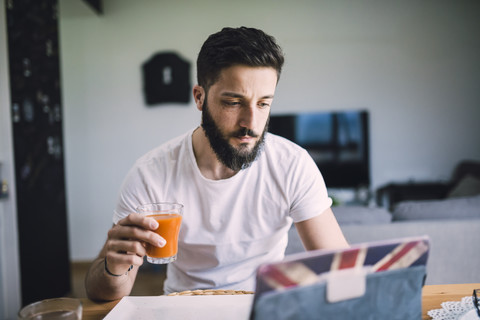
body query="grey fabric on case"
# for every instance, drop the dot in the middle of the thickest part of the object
(453, 208)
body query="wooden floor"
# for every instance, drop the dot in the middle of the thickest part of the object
(149, 280)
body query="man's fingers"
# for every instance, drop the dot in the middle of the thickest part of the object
(136, 225)
(126, 246)
(136, 233)
(135, 219)
(114, 258)
(118, 263)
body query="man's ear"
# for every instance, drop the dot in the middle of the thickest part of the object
(199, 96)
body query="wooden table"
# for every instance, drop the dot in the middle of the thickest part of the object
(432, 297)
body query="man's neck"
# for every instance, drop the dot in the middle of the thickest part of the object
(207, 161)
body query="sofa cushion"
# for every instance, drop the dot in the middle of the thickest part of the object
(466, 187)
(361, 215)
(452, 208)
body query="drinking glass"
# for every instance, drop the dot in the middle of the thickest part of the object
(169, 218)
(52, 309)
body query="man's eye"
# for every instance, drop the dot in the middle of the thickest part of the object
(264, 105)
(231, 103)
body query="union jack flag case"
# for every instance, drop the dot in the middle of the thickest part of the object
(376, 280)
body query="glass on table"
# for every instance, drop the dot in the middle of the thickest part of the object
(52, 309)
(169, 218)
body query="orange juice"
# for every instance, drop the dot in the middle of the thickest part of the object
(168, 228)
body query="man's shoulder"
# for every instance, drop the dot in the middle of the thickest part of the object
(280, 152)
(275, 144)
(170, 149)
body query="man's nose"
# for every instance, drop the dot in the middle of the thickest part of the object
(247, 116)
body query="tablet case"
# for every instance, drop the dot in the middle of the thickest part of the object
(377, 280)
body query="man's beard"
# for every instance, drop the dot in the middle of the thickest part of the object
(233, 158)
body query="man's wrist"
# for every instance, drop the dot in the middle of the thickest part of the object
(112, 274)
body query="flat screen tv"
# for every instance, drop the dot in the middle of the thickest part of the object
(337, 141)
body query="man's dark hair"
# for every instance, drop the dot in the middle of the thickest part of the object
(237, 46)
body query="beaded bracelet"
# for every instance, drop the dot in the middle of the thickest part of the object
(112, 274)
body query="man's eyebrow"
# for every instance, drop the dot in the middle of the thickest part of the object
(238, 95)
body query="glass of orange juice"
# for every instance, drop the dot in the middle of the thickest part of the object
(169, 218)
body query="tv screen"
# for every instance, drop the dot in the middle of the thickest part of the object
(337, 141)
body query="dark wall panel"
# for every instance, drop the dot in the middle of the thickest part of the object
(38, 147)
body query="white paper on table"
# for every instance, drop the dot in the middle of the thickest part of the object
(232, 307)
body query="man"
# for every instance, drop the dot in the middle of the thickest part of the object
(241, 187)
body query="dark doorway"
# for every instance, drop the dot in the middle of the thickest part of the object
(36, 109)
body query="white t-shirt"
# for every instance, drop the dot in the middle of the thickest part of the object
(229, 226)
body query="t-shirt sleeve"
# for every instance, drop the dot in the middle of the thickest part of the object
(132, 194)
(308, 190)
(148, 180)
(124, 204)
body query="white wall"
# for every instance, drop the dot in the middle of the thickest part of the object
(9, 258)
(413, 64)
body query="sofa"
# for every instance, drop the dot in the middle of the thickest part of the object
(453, 226)
(464, 182)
